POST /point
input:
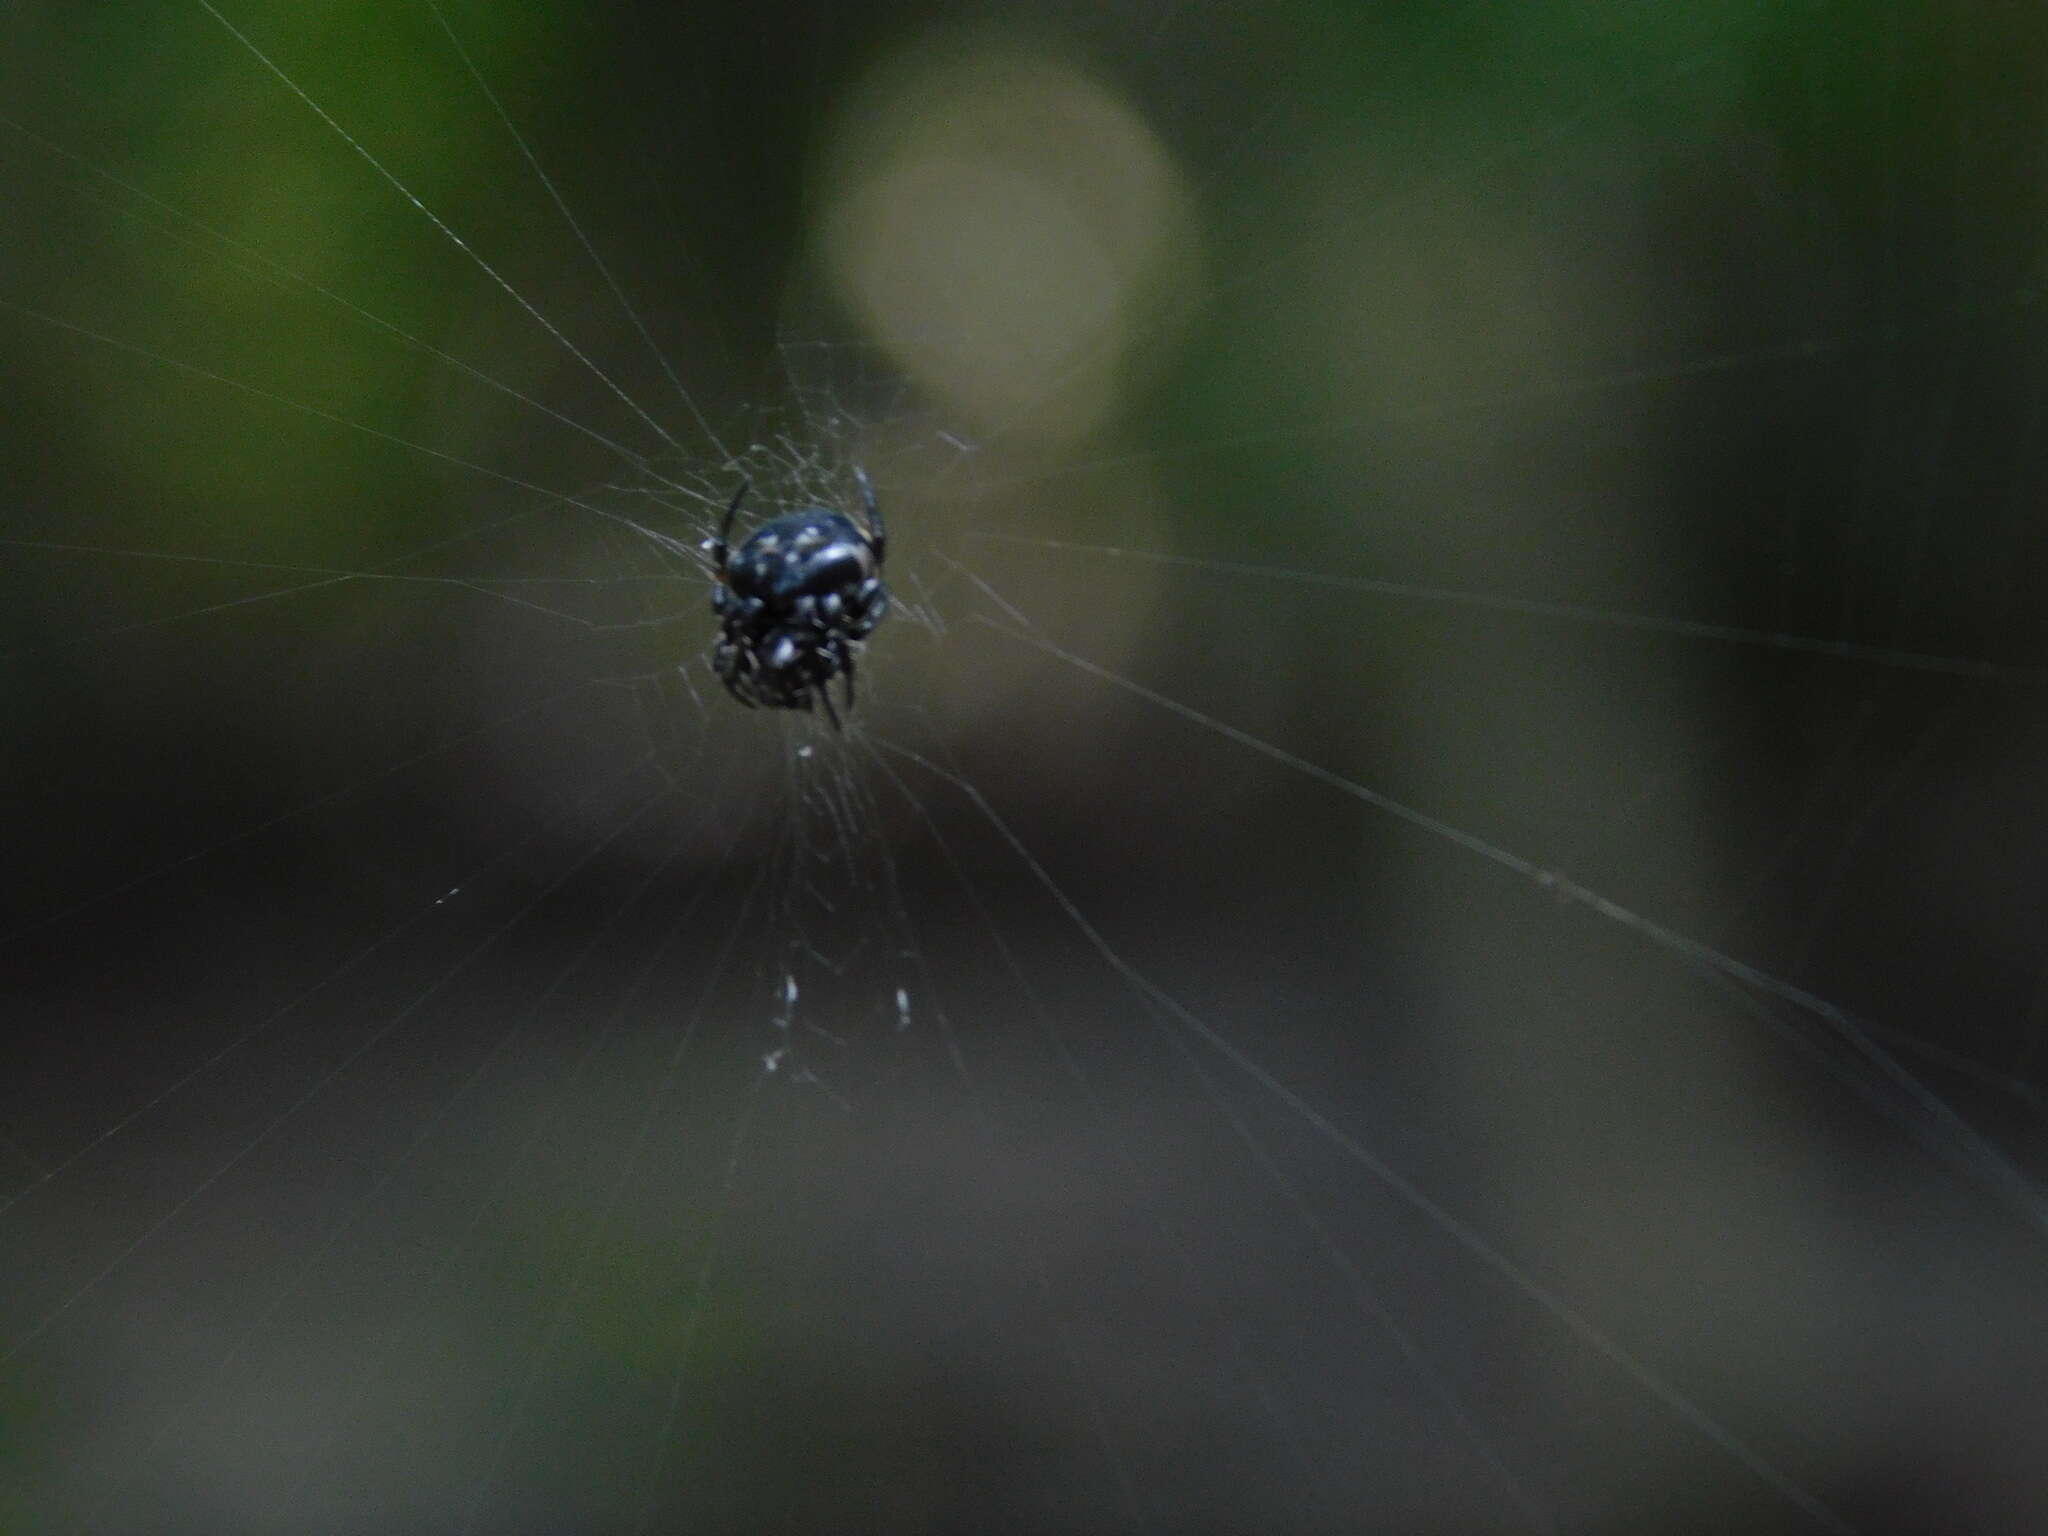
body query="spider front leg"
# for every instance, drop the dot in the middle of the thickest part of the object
(877, 537)
(729, 663)
(719, 548)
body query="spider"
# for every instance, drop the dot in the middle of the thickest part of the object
(794, 601)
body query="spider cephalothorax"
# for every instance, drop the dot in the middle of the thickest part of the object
(794, 601)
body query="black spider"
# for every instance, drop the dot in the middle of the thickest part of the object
(795, 601)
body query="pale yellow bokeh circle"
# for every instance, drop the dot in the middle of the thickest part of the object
(1006, 227)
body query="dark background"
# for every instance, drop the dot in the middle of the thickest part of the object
(1615, 436)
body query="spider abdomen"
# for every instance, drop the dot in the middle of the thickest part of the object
(804, 553)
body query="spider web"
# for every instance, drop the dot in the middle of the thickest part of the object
(1431, 922)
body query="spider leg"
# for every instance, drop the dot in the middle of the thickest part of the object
(731, 679)
(847, 661)
(824, 695)
(877, 538)
(718, 545)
